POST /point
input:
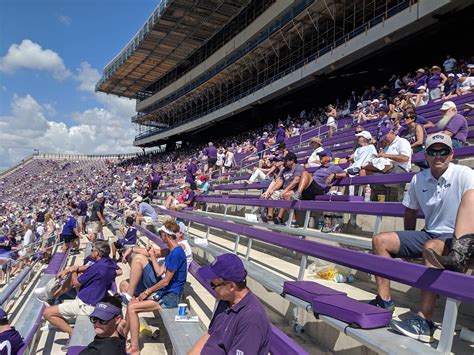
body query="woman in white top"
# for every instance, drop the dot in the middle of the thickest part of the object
(220, 159)
(363, 154)
(229, 161)
(331, 123)
(421, 98)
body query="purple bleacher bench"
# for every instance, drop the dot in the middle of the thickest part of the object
(391, 209)
(455, 285)
(336, 304)
(56, 262)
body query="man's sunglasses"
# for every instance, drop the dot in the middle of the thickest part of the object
(357, 132)
(94, 320)
(438, 152)
(214, 286)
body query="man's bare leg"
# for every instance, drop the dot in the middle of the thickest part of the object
(385, 244)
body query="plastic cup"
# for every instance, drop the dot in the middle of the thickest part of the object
(381, 198)
(336, 160)
(182, 309)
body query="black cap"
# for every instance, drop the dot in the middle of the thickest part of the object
(291, 156)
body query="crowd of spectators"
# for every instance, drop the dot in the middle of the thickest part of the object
(49, 203)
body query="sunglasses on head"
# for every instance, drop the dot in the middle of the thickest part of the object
(438, 152)
(94, 320)
(358, 131)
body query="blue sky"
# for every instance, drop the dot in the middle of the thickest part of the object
(50, 55)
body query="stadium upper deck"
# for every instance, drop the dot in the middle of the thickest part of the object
(183, 84)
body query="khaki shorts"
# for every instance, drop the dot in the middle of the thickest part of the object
(277, 195)
(74, 308)
(81, 219)
(96, 227)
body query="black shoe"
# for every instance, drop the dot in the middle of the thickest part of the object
(378, 302)
(459, 254)
(264, 218)
(278, 220)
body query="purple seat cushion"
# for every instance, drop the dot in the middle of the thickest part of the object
(351, 311)
(307, 290)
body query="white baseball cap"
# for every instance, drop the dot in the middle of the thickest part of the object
(365, 134)
(447, 105)
(438, 138)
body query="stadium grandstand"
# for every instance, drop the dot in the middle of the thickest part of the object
(308, 189)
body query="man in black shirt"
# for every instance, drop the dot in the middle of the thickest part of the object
(97, 219)
(106, 317)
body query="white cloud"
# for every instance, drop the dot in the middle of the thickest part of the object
(65, 20)
(30, 55)
(87, 76)
(98, 130)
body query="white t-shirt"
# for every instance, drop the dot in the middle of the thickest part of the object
(188, 251)
(220, 159)
(314, 157)
(40, 230)
(229, 159)
(439, 199)
(363, 155)
(28, 238)
(331, 122)
(467, 83)
(400, 146)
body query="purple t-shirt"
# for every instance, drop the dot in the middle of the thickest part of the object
(289, 174)
(421, 81)
(211, 152)
(457, 125)
(190, 196)
(434, 81)
(130, 237)
(82, 208)
(69, 225)
(96, 281)
(190, 171)
(280, 135)
(241, 329)
(261, 144)
(4, 248)
(13, 338)
(322, 172)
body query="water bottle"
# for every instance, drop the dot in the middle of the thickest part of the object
(367, 193)
(320, 222)
(340, 278)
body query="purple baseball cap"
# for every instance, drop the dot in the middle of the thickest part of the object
(106, 311)
(325, 152)
(384, 130)
(227, 266)
(3, 315)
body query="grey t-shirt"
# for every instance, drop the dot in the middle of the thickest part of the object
(289, 174)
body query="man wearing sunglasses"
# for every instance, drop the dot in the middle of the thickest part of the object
(106, 317)
(239, 324)
(92, 286)
(438, 192)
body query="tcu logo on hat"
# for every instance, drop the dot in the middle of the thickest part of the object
(438, 136)
(101, 305)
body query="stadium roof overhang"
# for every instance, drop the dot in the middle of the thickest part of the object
(175, 30)
(310, 14)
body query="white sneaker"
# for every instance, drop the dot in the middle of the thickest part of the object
(39, 291)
